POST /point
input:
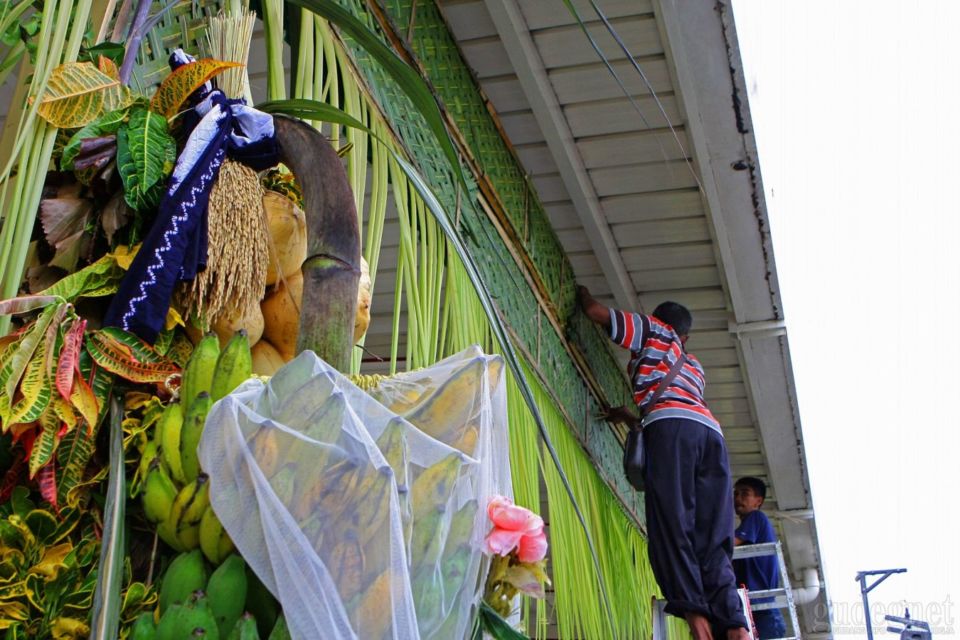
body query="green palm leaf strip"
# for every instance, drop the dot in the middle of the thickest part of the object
(105, 618)
(510, 355)
(146, 153)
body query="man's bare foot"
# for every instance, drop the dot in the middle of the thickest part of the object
(699, 626)
(737, 633)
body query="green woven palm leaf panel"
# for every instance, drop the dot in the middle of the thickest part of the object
(437, 50)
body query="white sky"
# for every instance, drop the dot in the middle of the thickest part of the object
(856, 108)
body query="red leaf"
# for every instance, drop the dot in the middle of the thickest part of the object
(27, 438)
(70, 358)
(11, 479)
(47, 479)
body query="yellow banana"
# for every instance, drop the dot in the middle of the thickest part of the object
(189, 537)
(195, 509)
(234, 365)
(346, 565)
(198, 374)
(159, 493)
(170, 427)
(209, 534)
(266, 448)
(193, 423)
(372, 615)
(454, 403)
(433, 486)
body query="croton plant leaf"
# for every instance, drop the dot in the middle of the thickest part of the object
(146, 153)
(75, 95)
(177, 87)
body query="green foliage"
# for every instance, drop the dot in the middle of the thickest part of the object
(146, 153)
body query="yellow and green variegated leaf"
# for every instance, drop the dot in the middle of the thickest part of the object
(52, 561)
(64, 411)
(13, 370)
(116, 97)
(90, 281)
(73, 454)
(85, 402)
(35, 389)
(46, 443)
(177, 87)
(75, 95)
(127, 356)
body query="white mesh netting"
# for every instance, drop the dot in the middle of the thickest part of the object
(363, 512)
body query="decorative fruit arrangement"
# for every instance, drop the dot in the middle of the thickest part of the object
(229, 603)
(175, 490)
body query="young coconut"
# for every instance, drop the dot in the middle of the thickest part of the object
(281, 311)
(287, 229)
(266, 359)
(232, 320)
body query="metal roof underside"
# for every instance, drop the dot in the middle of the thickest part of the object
(648, 213)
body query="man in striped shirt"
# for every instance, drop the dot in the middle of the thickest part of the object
(689, 513)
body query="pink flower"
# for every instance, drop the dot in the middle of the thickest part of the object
(532, 548)
(515, 527)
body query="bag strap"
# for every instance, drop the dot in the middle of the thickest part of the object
(665, 383)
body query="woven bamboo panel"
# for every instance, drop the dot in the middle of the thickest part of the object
(437, 50)
(183, 25)
(506, 281)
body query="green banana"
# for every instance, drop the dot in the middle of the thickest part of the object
(428, 536)
(143, 627)
(284, 484)
(234, 365)
(186, 574)
(433, 486)
(159, 492)
(245, 629)
(170, 427)
(227, 591)
(192, 619)
(198, 374)
(261, 603)
(280, 631)
(193, 422)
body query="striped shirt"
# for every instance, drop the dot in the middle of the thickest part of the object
(654, 348)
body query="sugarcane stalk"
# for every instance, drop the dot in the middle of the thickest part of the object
(331, 272)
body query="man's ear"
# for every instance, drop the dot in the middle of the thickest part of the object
(683, 340)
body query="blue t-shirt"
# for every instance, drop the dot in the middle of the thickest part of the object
(758, 573)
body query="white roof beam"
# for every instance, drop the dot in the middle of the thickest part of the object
(526, 61)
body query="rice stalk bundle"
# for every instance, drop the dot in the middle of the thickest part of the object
(228, 39)
(238, 246)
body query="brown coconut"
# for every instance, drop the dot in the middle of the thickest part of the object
(266, 359)
(287, 228)
(281, 314)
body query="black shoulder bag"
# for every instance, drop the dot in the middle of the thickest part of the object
(634, 459)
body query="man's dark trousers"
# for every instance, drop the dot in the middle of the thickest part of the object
(690, 520)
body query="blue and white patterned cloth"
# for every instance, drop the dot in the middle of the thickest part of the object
(175, 249)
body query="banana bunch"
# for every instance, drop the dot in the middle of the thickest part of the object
(229, 604)
(176, 493)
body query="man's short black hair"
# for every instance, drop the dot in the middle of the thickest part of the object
(759, 486)
(676, 315)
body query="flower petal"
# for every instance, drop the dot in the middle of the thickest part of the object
(501, 541)
(533, 548)
(506, 515)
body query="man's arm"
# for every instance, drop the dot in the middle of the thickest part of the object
(595, 311)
